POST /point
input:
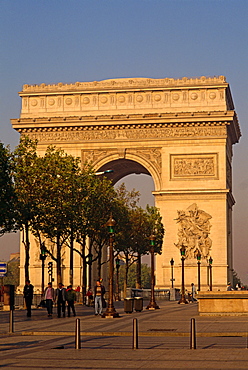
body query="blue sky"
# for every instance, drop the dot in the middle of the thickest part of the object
(55, 41)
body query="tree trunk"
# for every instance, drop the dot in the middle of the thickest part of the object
(126, 278)
(99, 263)
(71, 257)
(138, 272)
(84, 275)
(59, 273)
(27, 249)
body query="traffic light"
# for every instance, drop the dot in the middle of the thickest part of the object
(50, 268)
(43, 254)
(89, 258)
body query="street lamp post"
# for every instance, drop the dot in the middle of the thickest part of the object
(210, 262)
(152, 304)
(43, 258)
(198, 256)
(117, 265)
(110, 311)
(172, 273)
(89, 258)
(183, 299)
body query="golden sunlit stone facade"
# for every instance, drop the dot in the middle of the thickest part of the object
(179, 131)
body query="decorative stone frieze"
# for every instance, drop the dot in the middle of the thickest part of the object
(76, 134)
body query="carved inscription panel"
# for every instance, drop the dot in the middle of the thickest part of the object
(194, 166)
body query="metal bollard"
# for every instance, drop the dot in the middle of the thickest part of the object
(77, 335)
(11, 321)
(192, 334)
(135, 334)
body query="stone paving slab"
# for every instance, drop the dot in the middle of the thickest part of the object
(107, 344)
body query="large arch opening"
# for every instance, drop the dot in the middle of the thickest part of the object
(134, 175)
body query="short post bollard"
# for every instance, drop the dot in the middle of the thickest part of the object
(135, 334)
(11, 321)
(77, 335)
(192, 334)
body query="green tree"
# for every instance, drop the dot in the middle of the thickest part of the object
(7, 195)
(135, 240)
(13, 272)
(25, 183)
(57, 199)
(124, 244)
(131, 281)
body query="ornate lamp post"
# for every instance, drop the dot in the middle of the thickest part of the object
(117, 265)
(210, 262)
(89, 258)
(198, 256)
(43, 258)
(172, 275)
(183, 299)
(152, 304)
(110, 311)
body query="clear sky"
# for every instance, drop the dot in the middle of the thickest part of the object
(55, 41)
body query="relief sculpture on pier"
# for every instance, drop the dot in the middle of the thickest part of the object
(193, 232)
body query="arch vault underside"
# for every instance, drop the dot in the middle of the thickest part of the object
(180, 132)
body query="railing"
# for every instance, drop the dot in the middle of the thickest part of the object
(163, 294)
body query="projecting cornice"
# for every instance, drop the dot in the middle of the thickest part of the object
(125, 84)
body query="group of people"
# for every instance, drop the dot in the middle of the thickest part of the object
(51, 295)
(60, 296)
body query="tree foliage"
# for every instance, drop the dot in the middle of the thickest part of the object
(13, 272)
(25, 180)
(60, 201)
(7, 196)
(131, 281)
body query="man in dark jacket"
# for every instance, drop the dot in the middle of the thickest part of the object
(28, 293)
(60, 298)
(71, 298)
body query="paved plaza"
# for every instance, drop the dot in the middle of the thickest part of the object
(164, 340)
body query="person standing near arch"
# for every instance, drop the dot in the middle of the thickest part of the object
(28, 293)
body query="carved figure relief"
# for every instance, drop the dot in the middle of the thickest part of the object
(193, 232)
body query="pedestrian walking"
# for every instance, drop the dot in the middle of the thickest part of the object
(28, 293)
(49, 296)
(193, 292)
(70, 298)
(99, 292)
(60, 297)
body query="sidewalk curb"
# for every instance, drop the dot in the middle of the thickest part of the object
(129, 334)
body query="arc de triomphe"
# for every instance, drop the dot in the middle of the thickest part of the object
(179, 131)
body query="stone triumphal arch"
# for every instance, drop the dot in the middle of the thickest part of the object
(179, 131)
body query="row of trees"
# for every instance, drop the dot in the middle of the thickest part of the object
(61, 202)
